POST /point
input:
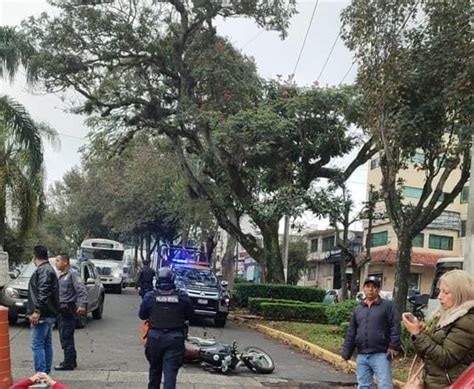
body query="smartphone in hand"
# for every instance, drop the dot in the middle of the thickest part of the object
(409, 317)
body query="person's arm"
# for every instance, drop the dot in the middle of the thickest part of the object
(188, 307)
(23, 384)
(349, 341)
(80, 289)
(457, 344)
(45, 289)
(395, 328)
(146, 306)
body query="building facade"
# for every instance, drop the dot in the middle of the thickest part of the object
(444, 237)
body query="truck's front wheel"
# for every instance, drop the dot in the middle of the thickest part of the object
(220, 321)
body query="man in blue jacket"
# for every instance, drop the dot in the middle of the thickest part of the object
(375, 331)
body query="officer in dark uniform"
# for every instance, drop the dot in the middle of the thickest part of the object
(73, 301)
(145, 279)
(166, 309)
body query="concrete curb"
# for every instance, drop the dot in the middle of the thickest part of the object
(314, 350)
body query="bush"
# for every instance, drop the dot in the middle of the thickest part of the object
(254, 303)
(277, 291)
(301, 312)
(340, 313)
(406, 343)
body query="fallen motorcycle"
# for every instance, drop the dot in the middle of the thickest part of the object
(223, 358)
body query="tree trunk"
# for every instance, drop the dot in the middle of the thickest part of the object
(135, 256)
(272, 265)
(148, 245)
(141, 247)
(228, 261)
(343, 266)
(402, 274)
(355, 278)
(2, 201)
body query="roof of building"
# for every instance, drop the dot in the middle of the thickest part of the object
(417, 258)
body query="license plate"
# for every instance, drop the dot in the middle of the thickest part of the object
(202, 301)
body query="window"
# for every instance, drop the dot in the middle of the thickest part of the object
(379, 239)
(414, 281)
(312, 274)
(465, 195)
(463, 228)
(418, 240)
(328, 243)
(327, 270)
(440, 242)
(410, 191)
(86, 273)
(314, 245)
(418, 158)
(374, 163)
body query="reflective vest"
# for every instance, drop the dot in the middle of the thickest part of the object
(167, 311)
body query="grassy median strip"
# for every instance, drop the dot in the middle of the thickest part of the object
(331, 338)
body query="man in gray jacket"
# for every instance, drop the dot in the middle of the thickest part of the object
(375, 331)
(73, 301)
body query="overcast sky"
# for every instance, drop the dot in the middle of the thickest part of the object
(272, 55)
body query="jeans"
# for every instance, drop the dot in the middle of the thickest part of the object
(165, 353)
(67, 325)
(42, 345)
(370, 364)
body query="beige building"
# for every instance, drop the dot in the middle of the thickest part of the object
(444, 237)
(324, 258)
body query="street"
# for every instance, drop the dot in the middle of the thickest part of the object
(110, 355)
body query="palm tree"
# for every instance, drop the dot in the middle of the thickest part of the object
(21, 148)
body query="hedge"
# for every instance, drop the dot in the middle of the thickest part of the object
(284, 311)
(254, 303)
(277, 291)
(341, 312)
(334, 313)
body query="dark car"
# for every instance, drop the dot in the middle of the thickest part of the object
(15, 293)
(209, 296)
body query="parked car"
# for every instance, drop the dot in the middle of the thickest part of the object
(15, 293)
(331, 297)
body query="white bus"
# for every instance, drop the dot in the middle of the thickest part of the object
(108, 257)
(442, 266)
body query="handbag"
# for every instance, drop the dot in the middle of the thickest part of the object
(415, 376)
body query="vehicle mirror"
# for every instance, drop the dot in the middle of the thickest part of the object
(13, 274)
(90, 281)
(224, 283)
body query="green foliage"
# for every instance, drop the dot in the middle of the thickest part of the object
(274, 291)
(341, 312)
(254, 303)
(407, 343)
(301, 312)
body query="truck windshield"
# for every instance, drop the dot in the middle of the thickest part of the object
(442, 268)
(111, 255)
(202, 276)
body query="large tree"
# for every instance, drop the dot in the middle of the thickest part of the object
(414, 70)
(244, 144)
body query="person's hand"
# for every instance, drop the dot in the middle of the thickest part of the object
(36, 378)
(392, 353)
(414, 327)
(34, 318)
(46, 378)
(81, 311)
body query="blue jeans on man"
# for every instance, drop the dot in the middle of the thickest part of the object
(42, 344)
(370, 364)
(165, 353)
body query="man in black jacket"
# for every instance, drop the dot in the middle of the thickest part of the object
(42, 309)
(145, 279)
(375, 331)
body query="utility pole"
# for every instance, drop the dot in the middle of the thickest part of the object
(469, 239)
(286, 242)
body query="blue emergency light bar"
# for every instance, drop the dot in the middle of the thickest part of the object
(182, 255)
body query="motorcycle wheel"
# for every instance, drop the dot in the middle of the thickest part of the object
(258, 360)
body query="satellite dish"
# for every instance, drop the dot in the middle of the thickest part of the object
(327, 254)
(351, 235)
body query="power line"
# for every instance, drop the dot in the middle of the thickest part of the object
(329, 55)
(347, 73)
(305, 37)
(252, 39)
(71, 136)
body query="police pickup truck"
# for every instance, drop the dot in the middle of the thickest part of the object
(194, 276)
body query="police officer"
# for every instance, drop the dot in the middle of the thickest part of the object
(73, 301)
(166, 310)
(145, 279)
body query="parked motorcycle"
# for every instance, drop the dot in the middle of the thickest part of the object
(223, 358)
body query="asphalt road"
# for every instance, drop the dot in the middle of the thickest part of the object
(110, 355)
